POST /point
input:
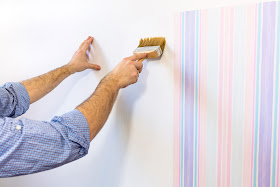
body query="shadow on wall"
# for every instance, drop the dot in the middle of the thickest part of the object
(111, 158)
(114, 150)
(95, 56)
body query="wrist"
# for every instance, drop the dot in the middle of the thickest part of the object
(69, 69)
(114, 80)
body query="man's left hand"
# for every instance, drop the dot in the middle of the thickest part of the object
(79, 61)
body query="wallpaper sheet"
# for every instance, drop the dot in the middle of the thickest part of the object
(227, 106)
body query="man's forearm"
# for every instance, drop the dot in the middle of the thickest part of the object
(98, 106)
(40, 86)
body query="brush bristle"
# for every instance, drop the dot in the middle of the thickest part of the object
(153, 41)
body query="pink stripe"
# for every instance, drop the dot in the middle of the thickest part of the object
(180, 95)
(225, 99)
(203, 97)
(254, 95)
(220, 110)
(177, 96)
(249, 90)
(231, 12)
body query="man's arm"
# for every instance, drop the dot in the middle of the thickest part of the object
(40, 86)
(98, 106)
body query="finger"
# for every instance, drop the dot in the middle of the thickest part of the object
(87, 43)
(135, 80)
(83, 43)
(139, 65)
(94, 66)
(137, 56)
(80, 47)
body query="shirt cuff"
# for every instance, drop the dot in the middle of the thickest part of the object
(23, 99)
(78, 128)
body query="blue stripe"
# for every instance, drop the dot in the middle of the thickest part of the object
(196, 97)
(257, 96)
(276, 97)
(182, 97)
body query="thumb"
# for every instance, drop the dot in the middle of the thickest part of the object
(94, 66)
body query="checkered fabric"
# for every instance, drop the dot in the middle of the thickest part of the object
(29, 146)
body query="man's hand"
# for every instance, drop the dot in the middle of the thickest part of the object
(79, 61)
(127, 71)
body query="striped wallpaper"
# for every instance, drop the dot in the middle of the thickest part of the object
(227, 106)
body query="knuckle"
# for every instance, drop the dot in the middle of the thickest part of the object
(135, 74)
(125, 59)
(132, 69)
(129, 63)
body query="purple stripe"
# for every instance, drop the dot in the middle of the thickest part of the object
(265, 125)
(189, 95)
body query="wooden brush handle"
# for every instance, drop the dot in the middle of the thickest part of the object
(141, 60)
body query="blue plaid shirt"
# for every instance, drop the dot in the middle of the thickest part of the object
(29, 146)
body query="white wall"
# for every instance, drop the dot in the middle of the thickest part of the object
(135, 146)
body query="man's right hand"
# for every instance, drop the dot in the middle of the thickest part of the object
(127, 71)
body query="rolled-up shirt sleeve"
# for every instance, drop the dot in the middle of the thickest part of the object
(28, 146)
(14, 100)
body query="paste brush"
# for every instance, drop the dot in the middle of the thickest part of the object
(154, 47)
